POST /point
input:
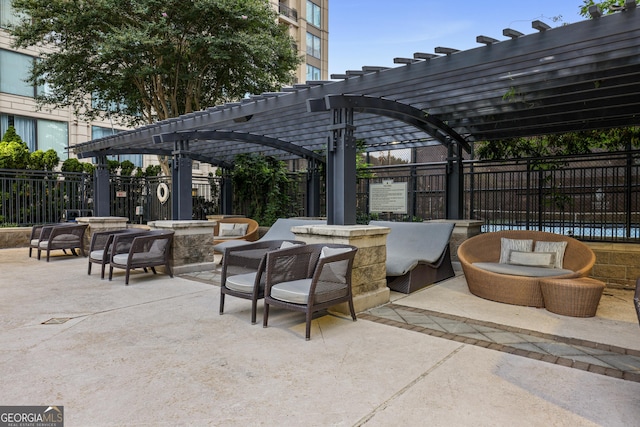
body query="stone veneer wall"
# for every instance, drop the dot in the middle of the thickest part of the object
(14, 237)
(617, 264)
(192, 244)
(368, 279)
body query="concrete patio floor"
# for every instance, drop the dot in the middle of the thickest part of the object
(157, 353)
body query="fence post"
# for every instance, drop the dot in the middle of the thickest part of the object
(101, 188)
(454, 185)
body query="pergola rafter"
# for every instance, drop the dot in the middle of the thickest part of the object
(570, 78)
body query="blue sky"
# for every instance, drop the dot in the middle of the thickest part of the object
(373, 32)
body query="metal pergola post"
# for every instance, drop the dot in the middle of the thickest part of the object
(455, 182)
(181, 199)
(341, 169)
(101, 189)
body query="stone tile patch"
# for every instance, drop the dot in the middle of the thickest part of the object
(570, 352)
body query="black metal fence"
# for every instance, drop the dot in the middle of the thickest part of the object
(595, 197)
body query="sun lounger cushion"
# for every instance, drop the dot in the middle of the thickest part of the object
(411, 243)
(521, 270)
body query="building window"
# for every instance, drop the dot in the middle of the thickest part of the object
(39, 134)
(313, 14)
(7, 14)
(313, 45)
(313, 73)
(53, 135)
(14, 67)
(100, 132)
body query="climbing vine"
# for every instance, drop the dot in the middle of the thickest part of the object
(260, 186)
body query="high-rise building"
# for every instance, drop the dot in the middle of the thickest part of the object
(308, 22)
(59, 128)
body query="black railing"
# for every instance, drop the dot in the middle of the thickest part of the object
(289, 12)
(595, 197)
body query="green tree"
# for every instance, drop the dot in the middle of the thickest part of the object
(71, 165)
(46, 161)
(126, 168)
(560, 144)
(14, 153)
(149, 60)
(606, 6)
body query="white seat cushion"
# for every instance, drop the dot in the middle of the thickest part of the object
(295, 291)
(241, 282)
(96, 255)
(521, 270)
(121, 259)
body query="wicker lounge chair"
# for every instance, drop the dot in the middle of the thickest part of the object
(59, 237)
(517, 289)
(280, 230)
(418, 254)
(244, 229)
(242, 272)
(100, 247)
(148, 250)
(309, 278)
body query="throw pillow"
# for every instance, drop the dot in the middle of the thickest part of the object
(241, 228)
(508, 245)
(285, 245)
(326, 251)
(335, 271)
(533, 259)
(557, 247)
(228, 230)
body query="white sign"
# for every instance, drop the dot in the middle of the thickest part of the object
(388, 197)
(121, 194)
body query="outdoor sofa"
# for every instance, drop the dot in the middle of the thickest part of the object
(498, 272)
(418, 254)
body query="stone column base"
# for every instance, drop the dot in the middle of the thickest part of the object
(368, 280)
(192, 244)
(101, 223)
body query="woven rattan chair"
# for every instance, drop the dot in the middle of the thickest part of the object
(309, 278)
(242, 272)
(148, 250)
(61, 237)
(100, 247)
(250, 235)
(510, 289)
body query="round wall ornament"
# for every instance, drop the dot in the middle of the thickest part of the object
(162, 192)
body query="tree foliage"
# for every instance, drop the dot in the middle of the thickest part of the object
(75, 165)
(606, 6)
(44, 160)
(14, 154)
(560, 144)
(260, 185)
(148, 60)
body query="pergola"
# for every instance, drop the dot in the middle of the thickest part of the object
(570, 78)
